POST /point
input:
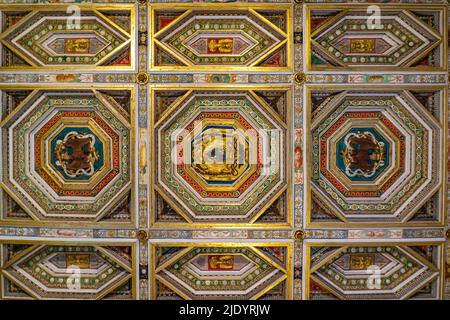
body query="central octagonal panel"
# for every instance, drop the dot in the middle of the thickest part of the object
(74, 153)
(220, 153)
(360, 151)
(78, 153)
(220, 156)
(69, 155)
(372, 154)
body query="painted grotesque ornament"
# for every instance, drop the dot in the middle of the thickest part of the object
(363, 154)
(76, 154)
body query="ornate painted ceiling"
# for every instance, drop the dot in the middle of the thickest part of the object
(210, 149)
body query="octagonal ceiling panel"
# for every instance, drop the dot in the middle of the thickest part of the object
(68, 271)
(220, 272)
(371, 272)
(220, 156)
(358, 38)
(52, 39)
(373, 155)
(73, 159)
(232, 38)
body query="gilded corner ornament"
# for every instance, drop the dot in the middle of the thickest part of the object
(299, 235)
(142, 78)
(142, 235)
(300, 78)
